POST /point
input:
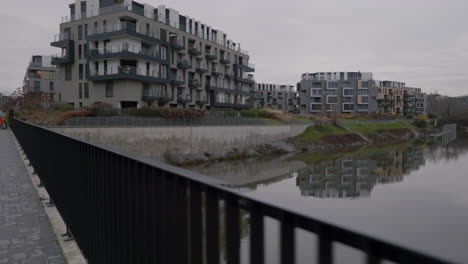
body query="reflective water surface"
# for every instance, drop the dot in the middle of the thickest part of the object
(413, 194)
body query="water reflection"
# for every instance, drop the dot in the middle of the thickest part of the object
(355, 177)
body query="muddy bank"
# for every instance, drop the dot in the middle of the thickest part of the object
(292, 145)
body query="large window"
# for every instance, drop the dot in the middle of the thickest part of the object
(80, 91)
(68, 73)
(363, 91)
(316, 92)
(363, 99)
(86, 90)
(51, 86)
(80, 32)
(332, 99)
(109, 89)
(81, 71)
(348, 107)
(315, 107)
(348, 92)
(332, 85)
(37, 85)
(316, 85)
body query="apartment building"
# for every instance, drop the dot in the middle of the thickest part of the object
(3, 100)
(41, 76)
(397, 99)
(130, 54)
(340, 92)
(418, 106)
(276, 96)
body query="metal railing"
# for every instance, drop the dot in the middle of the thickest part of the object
(125, 48)
(125, 209)
(131, 70)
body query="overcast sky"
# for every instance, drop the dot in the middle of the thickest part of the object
(421, 42)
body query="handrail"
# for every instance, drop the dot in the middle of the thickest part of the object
(124, 209)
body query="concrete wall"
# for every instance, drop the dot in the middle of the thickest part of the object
(154, 142)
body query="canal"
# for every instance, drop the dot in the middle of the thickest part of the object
(413, 194)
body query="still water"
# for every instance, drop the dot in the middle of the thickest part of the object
(413, 194)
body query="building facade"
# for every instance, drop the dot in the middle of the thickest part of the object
(132, 55)
(41, 75)
(396, 99)
(276, 97)
(339, 92)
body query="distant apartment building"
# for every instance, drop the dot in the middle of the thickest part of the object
(3, 100)
(340, 92)
(41, 75)
(130, 54)
(396, 99)
(276, 97)
(419, 104)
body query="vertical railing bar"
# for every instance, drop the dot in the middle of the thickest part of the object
(287, 240)
(196, 242)
(257, 237)
(325, 255)
(212, 227)
(232, 226)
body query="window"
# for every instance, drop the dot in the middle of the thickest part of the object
(80, 52)
(85, 50)
(363, 91)
(109, 89)
(80, 91)
(37, 85)
(348, 107)
(316, 85)
(365, 84)
(80, 32)
(86, 70)
(51, 86)
(86, 30)
(332, 99)
(68, 73)
(315, 107)
(363, 99)
(86, 90)
(81, 72)
(332, 85)
(164, 52)
(315, 92)
(348, 92)
(331, 92)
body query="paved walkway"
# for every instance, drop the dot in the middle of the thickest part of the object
(26, 236)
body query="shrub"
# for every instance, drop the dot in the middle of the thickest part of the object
(71, 114)
(63, 107)
(143, 112)
(180, 113)
(103, 110)
(254, 113)
(420, 123)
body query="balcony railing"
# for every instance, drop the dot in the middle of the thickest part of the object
(184, 64)
(127, 72)
(201, 100)
(194, 83)
(123, 27)
(201, 67)
(225, 59)
(157, 213)
(151, 15)
(134, 50)
(177, 43)
(194, 51)
(150, 95)
(183, 99)
(211, 55)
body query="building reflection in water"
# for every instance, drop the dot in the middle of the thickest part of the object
(356, 177)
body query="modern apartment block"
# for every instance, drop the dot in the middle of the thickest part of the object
(41, 75)
(397, 99)
(129, 54)
(419, 104)
(340, 92)
(276, 96)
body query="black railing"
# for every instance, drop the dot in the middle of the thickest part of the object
(124, 209)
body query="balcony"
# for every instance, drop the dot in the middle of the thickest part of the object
(201, 100)
(177, 80)
(194, 83)
(184, 99)
(159, 97)
(126, 72)
(184, 64)
(201, 68)
(62, 59)
(229, 76)
(125, 52)
(216, 73)
(177, 43)
(230, 104)
(219, 88)
(211, 55)
(247, 67)
(123, 29)
(64, 40)
(194, 51)
(250, 79)
(225, 59)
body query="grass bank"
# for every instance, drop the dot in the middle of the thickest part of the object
(372, 128)
(316, 134)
